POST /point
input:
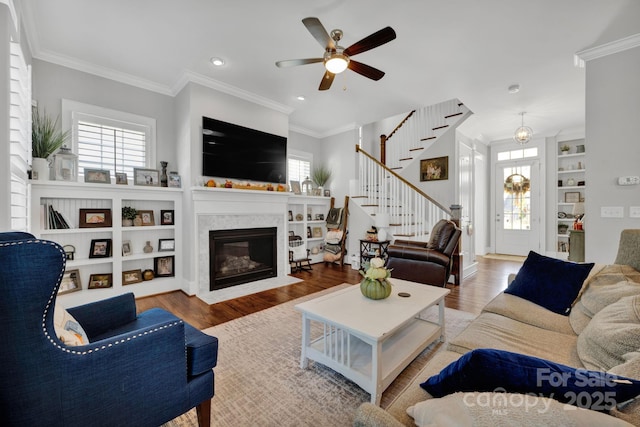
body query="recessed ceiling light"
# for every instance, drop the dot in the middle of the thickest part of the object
(300, 98)
(218, 62)
(514, 88)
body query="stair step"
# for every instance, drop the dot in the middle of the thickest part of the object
(405, 159)
(453, 115)
(440, 127)
(416, 149)
(396, 168)
(428, 138)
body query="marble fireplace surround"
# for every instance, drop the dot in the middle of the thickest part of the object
(227, 209)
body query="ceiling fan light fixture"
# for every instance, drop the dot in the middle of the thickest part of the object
(524, 133)
(336, 62)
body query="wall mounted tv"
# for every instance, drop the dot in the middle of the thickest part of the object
(236, 152)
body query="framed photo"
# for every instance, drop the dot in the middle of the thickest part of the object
(572, 197)
(91, 218)
(317, 232)
(166, 245)
(100, 248)
(98, 281)
(166, 217)
(164, 266)
(308, 232)
(126, 248)
(327, 193)
(70, 282)
(131, 276)
(319, 217)
(290, 216)
(435, 169)
(121, 178)
(295, 187)
(149, 177)
(97, 176)
(147, 217)
(174, 180)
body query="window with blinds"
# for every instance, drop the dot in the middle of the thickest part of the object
(117, 149)
(298, 169)
(19, 137)
(109, 139)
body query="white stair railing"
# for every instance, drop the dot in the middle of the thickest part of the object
(412, 213)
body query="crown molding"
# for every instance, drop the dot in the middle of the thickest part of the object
(191, 77)
(609, 48)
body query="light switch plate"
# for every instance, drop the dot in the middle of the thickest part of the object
(611, 212)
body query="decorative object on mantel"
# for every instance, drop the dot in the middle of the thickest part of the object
(46, 139)
(375, 285)
(65, 165)
(524, 133)
(307, 187)
(164, 180)
(321, 175)
(174, 180)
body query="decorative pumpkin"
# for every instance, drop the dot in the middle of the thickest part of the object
(375, 289)
(375, 285)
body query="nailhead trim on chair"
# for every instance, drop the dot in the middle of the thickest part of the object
(53, 294)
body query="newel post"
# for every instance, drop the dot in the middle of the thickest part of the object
(456, 270)
(383, 149)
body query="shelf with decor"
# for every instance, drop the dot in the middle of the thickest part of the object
(571, 184)
(308, 214)
(105, 257)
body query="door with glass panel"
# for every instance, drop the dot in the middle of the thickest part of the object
(517, 207)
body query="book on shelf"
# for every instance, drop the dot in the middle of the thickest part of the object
(54, 219)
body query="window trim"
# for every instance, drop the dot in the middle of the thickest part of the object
(73, 111)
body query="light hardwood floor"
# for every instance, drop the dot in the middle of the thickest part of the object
(474, 293)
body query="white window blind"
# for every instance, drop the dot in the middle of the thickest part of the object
(109, 139)
(19, 137)
(117, 149)
(298, 169)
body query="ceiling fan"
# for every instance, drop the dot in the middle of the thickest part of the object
(336, 58)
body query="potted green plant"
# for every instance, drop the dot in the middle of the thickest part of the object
(565, 149)
(128, 215)
(321, 175)
(46, 139)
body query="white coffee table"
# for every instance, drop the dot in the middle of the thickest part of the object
(370, 341)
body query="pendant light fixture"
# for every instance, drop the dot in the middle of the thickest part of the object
(523, 133)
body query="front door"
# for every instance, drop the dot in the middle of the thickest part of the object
(517, 190)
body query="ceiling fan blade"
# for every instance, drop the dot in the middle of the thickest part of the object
(327, 79)
(376, 39)
(365, 70)
(318, 31)
(294, 62)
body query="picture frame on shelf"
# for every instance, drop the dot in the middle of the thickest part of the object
(93, 218)
(100, 248)
(174, 180)
(70, 282)
(295, 187)
(147, 217)
(164, 266)
(131, 276)
(101, 281)
(97, 176)
(435, 169)
(290, 215)
(121, 178)
(166, 245)
(572, 197)
(147, 177)
(126, 248)
(309, 232)
(317, 231)
(327, 193)
(166, 217)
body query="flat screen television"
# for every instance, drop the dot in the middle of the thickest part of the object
(236, 152)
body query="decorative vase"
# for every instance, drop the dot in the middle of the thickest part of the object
(148, 275)
(147, 248)
(127, 222)
(137, 221)
(375, 288)
(164, 181)
(40, 169)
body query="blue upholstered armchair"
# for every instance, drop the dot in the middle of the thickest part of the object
(136, 370)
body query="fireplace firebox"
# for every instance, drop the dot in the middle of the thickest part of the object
(241, 256)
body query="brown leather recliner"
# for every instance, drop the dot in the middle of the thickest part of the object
(426, 262)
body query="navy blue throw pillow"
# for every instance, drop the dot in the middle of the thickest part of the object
(489, 370)
(549, 282)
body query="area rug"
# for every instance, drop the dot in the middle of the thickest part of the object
(247, 289)
(259, 381)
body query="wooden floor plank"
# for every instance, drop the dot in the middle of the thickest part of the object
(474, 293)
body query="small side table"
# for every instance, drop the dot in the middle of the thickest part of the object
(371, 249)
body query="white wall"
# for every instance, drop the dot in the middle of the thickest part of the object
(612, 138)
